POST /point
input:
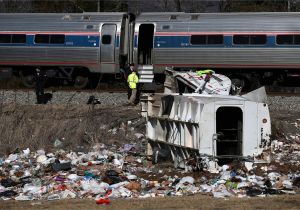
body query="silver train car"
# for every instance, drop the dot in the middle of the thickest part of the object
(66, 46)
(251, 48)
(248, 47)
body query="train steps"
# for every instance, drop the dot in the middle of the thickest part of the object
(145, 73)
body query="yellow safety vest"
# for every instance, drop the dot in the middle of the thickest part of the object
(203, 72)
(132, 80)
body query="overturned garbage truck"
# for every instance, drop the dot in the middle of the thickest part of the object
(219, 127)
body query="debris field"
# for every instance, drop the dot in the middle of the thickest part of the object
(55, 152)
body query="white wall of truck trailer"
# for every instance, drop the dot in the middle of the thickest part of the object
(211, 125)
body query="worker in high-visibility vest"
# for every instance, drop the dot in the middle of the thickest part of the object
(204, 72)
(132, 80)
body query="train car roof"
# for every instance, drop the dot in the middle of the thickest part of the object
(202, 22)
(61, 17)
(56, 21)
(223, 22)
(183, 17)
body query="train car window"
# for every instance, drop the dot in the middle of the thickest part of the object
(249, 39)
(106, 39)
(215, 39)
(89, 27)
(166, 27)
(5, 38)
(41, 38)
(297, 39)
(284, 39)
(241, 39)
(18, 38)
(57, 39)
(198, 39)
(206, 39)
(258, 39)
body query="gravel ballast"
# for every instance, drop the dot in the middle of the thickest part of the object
(63, 97)
(276, 103)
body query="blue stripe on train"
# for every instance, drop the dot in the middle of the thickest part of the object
(70, 41)
(184, 42)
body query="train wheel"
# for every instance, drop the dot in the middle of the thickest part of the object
(81, 81)
(28, 80)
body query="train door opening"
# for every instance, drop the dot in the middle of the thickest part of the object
(107, 48)
(229, 129)
(145, 44)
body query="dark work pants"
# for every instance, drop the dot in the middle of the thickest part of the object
(128, 91)
(39, 91)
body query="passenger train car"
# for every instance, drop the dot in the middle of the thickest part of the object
(248, 47)
(67, 46)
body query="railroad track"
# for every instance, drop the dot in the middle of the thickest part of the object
(272, 91)
(282, 90)
(66, 89)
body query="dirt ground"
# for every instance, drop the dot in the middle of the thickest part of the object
(187, 202)
(80, 127)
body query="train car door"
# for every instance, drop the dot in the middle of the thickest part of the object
(107, 48)
(145, 53)
(145, 44)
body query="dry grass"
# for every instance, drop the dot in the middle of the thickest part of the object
(38, 126)
(13, 82)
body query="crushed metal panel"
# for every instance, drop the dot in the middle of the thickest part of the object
(189, 121)
(258, 95)
(218, 84)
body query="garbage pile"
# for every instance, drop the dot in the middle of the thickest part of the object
(110, 172)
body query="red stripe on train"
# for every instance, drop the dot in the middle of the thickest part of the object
(224, 33)
(50, 32)
(230, 65)
(54, 32)
(46, 62)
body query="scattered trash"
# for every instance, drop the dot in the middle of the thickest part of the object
(104, 201)
(57, 166)
(8, 193)
(139, 135)
(249, 165)
(109, 172)
(53, 197)
(8, 183)
(58, 143)
(129, 147)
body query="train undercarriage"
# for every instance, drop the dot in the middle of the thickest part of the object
(76, 77)
(73, 76)
(82, 78)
